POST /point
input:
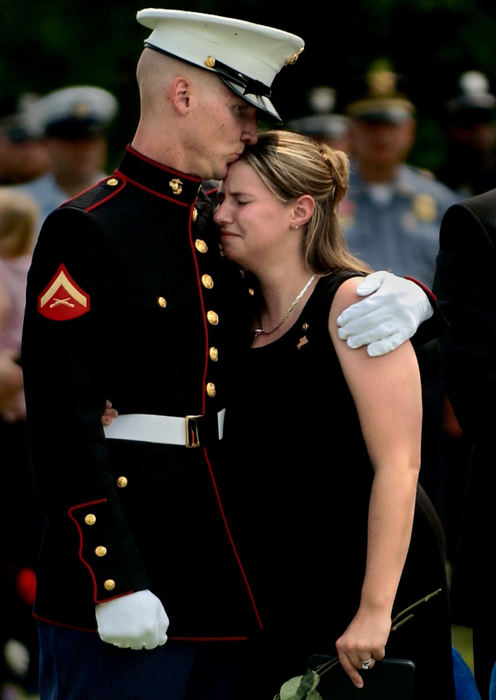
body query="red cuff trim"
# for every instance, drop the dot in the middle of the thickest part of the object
(80, 553)
(428, 291)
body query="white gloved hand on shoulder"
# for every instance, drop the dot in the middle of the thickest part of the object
(134, 621)
(391, 313)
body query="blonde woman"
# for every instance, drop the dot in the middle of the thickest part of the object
(323, 441)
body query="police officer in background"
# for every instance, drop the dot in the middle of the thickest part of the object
(469, 166)
(392, 212)
(322, 123)
(135, 529)
(73, 122)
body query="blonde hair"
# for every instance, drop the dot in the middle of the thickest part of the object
(291, 165)
(19, 221)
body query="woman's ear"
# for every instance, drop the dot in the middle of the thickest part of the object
(302, 210)
(180, 94)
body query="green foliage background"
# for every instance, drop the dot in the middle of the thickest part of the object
(48, 44)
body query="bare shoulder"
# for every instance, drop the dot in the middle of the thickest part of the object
(345, 296)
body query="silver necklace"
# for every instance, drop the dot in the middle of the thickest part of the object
(261, 330)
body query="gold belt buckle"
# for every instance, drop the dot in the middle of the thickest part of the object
(192, 435)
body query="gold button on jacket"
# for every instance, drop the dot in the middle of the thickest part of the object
(132, 248)
(207, 281)
(212, 318)
(201, 246)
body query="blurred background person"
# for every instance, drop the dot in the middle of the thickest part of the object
(19, 222)
(392, 213)
(73, 121)
(23, 152)
(391, 218)
(469, 166)
(322, 123)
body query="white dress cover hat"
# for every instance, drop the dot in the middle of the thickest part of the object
(246, 56)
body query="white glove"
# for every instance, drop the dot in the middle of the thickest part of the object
(134, 621)
(388, 317)
(16, 657)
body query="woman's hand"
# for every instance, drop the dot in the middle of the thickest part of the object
(364, 640)
(109, 414)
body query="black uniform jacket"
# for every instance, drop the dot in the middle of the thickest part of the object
(465, 286)
(129, 299)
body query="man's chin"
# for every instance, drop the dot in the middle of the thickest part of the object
(220, 173)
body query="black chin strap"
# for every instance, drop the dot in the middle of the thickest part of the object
(249, 85)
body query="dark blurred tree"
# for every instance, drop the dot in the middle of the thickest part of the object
(48, 44)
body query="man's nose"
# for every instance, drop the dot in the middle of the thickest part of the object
(250, 132)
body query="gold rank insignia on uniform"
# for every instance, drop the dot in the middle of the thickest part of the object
(63, 299)
(425, 207)
(176, 185)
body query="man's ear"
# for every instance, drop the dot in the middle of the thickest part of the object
(180, 94)
(303, 209)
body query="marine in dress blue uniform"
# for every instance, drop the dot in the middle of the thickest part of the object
(130, 299)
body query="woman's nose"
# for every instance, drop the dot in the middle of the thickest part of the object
(219, 214)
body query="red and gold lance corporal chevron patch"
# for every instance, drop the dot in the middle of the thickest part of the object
(62, 299)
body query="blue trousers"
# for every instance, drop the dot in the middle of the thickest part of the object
(79, 666)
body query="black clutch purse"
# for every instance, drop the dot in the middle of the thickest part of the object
(389, 679)
(325, 678)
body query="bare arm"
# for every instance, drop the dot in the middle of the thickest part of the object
(387, 394)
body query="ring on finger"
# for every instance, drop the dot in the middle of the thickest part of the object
(366, 664)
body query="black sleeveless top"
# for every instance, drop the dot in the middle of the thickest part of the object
(297, 480)
(300, 478)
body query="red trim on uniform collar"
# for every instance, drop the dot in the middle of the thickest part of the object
(158, 178)
(166, 168)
